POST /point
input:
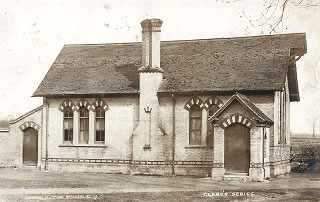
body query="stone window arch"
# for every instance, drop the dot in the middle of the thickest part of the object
(67, 103)
(100, 103)
(193, 101)
(213, 100)
(83, 103)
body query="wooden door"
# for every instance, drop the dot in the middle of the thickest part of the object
(30, 147)
(237, 148)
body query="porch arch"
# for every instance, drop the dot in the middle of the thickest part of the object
(29, 124)
(237, 118)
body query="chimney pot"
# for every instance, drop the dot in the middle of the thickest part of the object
(151, 25)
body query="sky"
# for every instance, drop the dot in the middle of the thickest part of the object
(33, 32)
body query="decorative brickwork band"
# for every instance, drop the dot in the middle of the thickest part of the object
(67, 103)
(212, 101)
(100, 103)
(127, 161)
(83, 103)
(218, 165)
(193, 101)
(29, 124)
(237, 118)
(256, 165)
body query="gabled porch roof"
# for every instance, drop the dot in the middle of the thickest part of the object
(246, 103)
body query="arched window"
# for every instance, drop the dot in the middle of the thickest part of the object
(84, 125)
(67, 124)
(195, 117)
(100, 126)
(212, 109)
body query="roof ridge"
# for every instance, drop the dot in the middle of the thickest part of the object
(190, 40)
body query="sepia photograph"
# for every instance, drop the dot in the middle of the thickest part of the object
(158, 100)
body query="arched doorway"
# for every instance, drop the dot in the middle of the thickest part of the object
(30, 147)
(237, 148)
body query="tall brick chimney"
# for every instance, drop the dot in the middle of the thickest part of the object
(147, 134)
(151, 29)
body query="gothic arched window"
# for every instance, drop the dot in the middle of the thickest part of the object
(100, 124)
(67, 124)
(84, 125)
(195, 119)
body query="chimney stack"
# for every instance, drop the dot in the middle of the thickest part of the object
(151, 29)
(150, 78)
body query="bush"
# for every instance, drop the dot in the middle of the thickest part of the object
(305, 159)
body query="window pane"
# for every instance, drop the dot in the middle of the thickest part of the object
(98, 125)
(97, 135)
(81, 124)
(86, 124)
(195, 138)
(70, 122)
(66, 135)
(195, 123)
(70, 135)
(102, 135)
(66, 124)
(195, 111)
(84, 113)
(100, 112)
(198, 123)
(67, 112)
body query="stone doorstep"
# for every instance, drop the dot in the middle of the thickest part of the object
(28, 167)
(236, 177)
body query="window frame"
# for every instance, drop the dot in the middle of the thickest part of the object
(191, 118)
(69, 120)
(83, 120)
(104, 125)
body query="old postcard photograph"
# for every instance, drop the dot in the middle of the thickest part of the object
(213, 100)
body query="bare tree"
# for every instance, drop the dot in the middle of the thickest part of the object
(273, 12)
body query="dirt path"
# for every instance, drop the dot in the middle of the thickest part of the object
(19, 184)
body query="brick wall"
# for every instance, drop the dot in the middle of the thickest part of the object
(120, 120)
(11, 142)
(280, 151)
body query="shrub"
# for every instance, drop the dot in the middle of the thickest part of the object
(305, 158)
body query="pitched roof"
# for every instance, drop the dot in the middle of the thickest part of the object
(225, 64)
(26, 115)
(250, 106)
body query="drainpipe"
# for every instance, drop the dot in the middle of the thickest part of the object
(173, 132)
(47, 118)
(264, 170)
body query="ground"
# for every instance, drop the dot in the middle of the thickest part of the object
(34, 185)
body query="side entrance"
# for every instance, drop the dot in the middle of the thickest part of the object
(30, 147)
